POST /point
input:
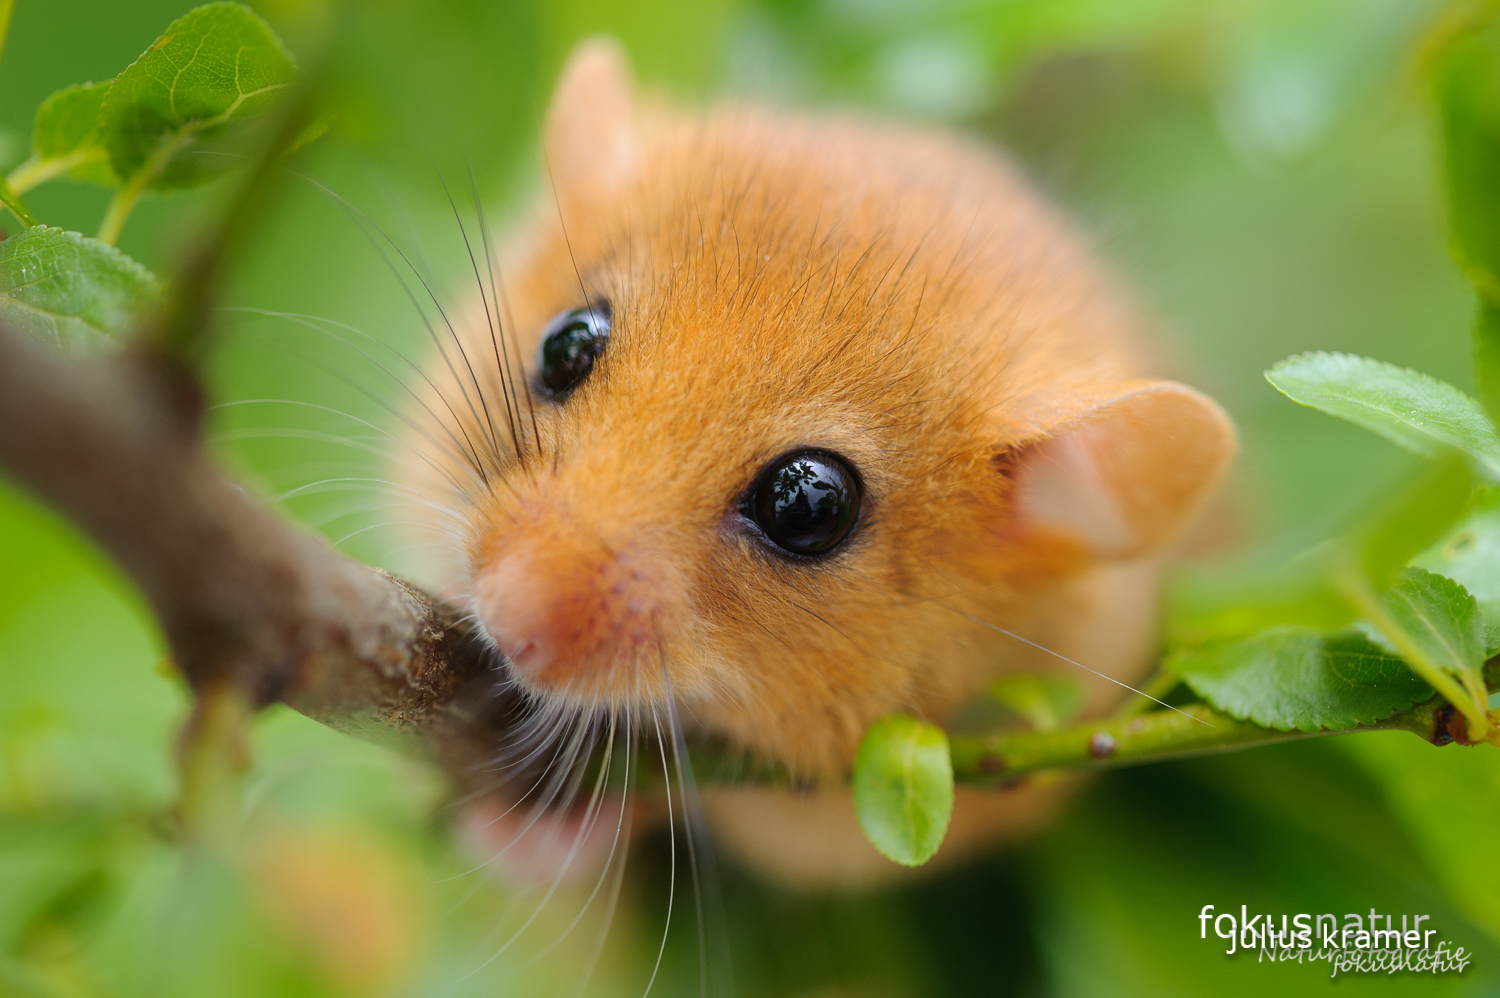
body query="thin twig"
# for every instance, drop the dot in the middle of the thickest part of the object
(1130, 739)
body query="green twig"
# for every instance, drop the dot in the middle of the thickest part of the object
(213, 758)
(1122, 740)
(17, 208)
(999, 758)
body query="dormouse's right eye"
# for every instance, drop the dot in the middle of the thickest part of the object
(805, 502)
(572, 342)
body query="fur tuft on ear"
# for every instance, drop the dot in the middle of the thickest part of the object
(590, 142)
(1126, 471)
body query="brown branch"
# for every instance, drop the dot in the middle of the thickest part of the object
(243, 597)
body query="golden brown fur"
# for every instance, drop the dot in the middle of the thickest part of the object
(895, 295)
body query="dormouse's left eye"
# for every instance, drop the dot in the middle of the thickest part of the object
(571, 344)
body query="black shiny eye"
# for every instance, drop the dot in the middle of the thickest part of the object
(572, 343)
(805, 502)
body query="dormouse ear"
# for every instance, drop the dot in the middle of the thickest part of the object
(590, 142)
(1124, 469)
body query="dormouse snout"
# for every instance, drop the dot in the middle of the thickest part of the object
(575, 612)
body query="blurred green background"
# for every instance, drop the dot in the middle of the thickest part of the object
(1262, 173)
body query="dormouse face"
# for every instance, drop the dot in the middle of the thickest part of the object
(805, 403)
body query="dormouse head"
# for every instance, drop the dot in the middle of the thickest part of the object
(802, 405)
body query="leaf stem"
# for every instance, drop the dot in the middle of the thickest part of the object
(35, 172)
(9, 199)
(130, 192)
(121, 205)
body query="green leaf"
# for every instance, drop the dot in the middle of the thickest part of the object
(1470, 556)
(1047, 701)
(1416, 411)
(903, 788)
(1441, 621)
(69, 288)
(1465, 77)
(66, 138)
(213, 69)
(1300, 678)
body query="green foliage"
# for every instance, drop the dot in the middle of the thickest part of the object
(66, 137)
(903, 788)
(210, 73)
(1470, 555)
(71, 289)
(1300, 678)
(1436, 625)
(177, 117)
(1426, 416)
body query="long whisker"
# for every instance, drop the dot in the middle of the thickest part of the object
(365, 223)
(671, 855)
(497, 338)
(488, 318)
(510, 324)
(467, 454)
(557, 880)
(1027, 641)
(595, 809)
(705, 875)
(622, 840)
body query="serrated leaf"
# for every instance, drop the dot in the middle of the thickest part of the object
(1470, 556)
(903, 788)
(1414, 410)
(213, 70)
(1047, 701)
(65, 137)
(1465, 77)
(1300, 678)
(1441, 619)
(70, 289)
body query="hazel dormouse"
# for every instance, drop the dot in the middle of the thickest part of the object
(766, 425)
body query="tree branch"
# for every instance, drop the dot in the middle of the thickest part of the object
(243, 597)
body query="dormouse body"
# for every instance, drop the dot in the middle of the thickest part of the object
(810, 407)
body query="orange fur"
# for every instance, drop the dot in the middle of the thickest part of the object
(892, 294)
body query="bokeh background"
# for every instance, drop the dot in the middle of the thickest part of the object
(1261, 172)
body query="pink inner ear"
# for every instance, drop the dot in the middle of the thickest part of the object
(1128, 475)
(1059, 487)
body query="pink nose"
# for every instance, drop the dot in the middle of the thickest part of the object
(567, 612)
